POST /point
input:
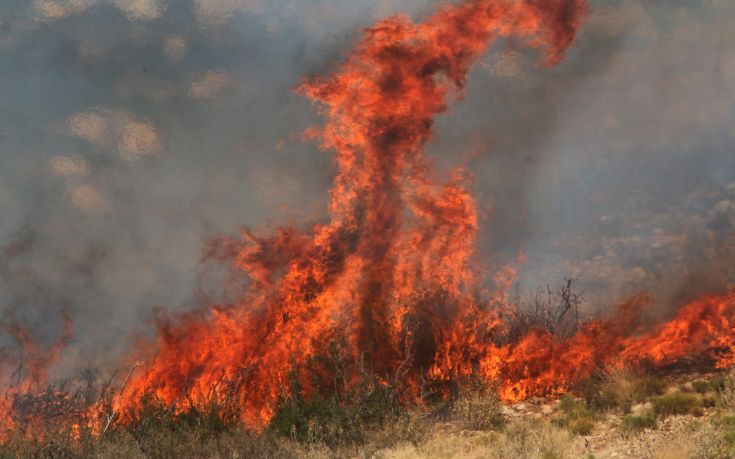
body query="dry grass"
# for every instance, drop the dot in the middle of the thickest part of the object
(726, 396)
(526, 440)
(622, 387)
(478, 411)
(369, 422)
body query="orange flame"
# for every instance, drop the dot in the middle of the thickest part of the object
(30, 372)
(393, 264)
(394, 260)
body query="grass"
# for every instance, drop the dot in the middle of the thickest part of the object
(478, 411)
(370, 419)
(715, 384)
(634, 424)
(726, 395)
(577, 417)
(335, 419)
(621, 388)
(676, 403)
(727, 428)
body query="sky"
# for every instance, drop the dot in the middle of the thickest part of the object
(133, 131)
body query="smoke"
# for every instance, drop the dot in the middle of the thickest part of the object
(135, 131)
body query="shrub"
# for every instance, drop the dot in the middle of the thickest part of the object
(676, 403)
(726, 395)
(330, 417)
(621, 387)
(632, 424)
(701, 386)
(578, 418)
(715, 384)
(478, 411)
(726, 426)
(331, 421)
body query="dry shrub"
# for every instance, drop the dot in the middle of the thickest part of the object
(697, 439)
(478, 410)
(726, 396)
(533, 440)
(621, 387)
(556, 311)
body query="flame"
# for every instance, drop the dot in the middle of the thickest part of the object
(394, 259)
(392, 268)
(29, 372)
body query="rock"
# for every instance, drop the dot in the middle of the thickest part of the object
(547, 409)
(520, 407)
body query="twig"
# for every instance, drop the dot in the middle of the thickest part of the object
(122, 388)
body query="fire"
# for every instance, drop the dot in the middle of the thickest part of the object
(394, 259)
(392, 268)
(29, 373)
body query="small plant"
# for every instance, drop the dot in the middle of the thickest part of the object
(701, 386)
(633, 424)
(716, 384)
(727, 428)
(478, 411)
(676, 403)
(622, 387)
(726, 395)
(578, 418)
(340, 412)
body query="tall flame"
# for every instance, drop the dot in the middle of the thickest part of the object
(393, 263)
(392, 268)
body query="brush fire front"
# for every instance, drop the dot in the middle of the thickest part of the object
(392, 272)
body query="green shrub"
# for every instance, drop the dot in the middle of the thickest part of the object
(332, 418)
(715, 384)
(701, 386)
(578, 418)
(331, 421)
(676, 403)
(632, 424)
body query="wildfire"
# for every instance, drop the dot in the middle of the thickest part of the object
(393, 263)
(391, 270)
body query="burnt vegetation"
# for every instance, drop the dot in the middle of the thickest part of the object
(338, 404)
(554, 310)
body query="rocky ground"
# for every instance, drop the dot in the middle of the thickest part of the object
(533, 429)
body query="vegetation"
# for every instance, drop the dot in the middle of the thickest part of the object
(621, 388)
(371, 417)
(578, 418)
(632, 423)
(368, 420)
(476, 410)
(715, 385)
(726, 394)
(676, 403)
